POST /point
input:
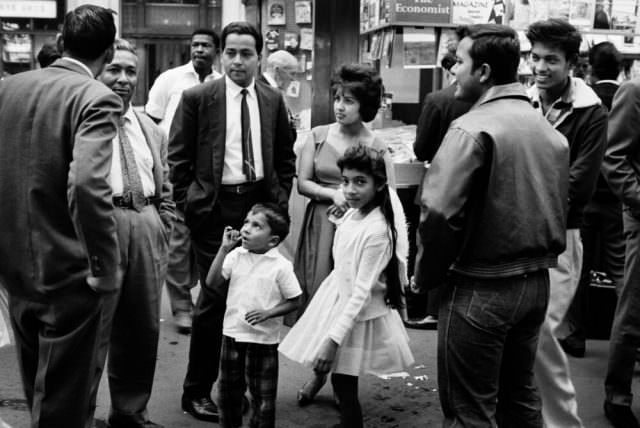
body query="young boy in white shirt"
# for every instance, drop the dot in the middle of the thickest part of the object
(260, 287)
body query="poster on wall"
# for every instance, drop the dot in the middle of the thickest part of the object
(419, 48)
(303, 11)
(623, 15)
(306, 39)
(581, 13)
(276, 12)
(272, 40)
(467, 12)
(291, 42)
(16, 48)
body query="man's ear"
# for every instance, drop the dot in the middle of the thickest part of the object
(485, 73)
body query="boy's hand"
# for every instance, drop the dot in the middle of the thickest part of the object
(256, 317)
(230, 238)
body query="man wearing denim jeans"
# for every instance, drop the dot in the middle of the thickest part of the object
(494, 205)
(574, 110)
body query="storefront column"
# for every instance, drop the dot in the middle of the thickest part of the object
(232, 10)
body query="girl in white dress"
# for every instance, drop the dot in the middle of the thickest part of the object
(351, 325)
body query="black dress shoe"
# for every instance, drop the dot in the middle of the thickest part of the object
(620, 416)
(201, 408)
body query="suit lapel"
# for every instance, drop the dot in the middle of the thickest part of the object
(217, 134)
(267, 107)
(150, 136)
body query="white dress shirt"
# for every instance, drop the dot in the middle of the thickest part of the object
(142, 153)
(166, 92)
(232, 172)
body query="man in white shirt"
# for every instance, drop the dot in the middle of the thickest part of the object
(164, 96)
(144, 213)
(230, 147)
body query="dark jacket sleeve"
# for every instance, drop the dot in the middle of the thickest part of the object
(166, 207)
(284, 157)
(584, 170)
(88, 189)
(624, 139)
(429, 130)
(445, 195)
(182, 146)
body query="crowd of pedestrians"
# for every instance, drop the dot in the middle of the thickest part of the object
(528, 190)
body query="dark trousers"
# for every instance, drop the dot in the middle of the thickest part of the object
(206, 331)
(248, 364)
(625, 333)
(603, 246)
(58, 340)
(133, 342)
(487, 341)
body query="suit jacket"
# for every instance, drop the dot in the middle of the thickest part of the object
(439, 109)
(157, 142)
(197, 146)
(56, 130)
(621, 164)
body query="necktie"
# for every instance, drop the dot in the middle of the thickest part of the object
(131, 183)
(248, 167)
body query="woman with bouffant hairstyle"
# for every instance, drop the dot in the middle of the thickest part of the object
(357, 91)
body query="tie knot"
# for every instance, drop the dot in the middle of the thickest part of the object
(244, 92)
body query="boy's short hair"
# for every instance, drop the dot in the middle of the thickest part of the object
(277, 218)
(557, 34)
(208, 32)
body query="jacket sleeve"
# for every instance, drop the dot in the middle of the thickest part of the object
(446, 191)
(428, 131)
(88, 189)
(284, 157)
(374, 259)
(624, 136)
(182, 147)
(166, 207)
(584, 170)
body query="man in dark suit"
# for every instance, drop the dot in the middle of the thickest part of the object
(59, 253)
(144, 213)
(230, 146)
(601, 230)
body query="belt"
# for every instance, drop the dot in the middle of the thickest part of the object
(122, 202)
(242, 188)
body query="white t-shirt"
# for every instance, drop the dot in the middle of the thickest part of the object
(166, 92)
(256, 282)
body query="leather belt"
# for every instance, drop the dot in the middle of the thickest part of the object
(122, 202)
(242, 188)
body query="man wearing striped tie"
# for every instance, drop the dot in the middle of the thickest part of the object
(230, 147)
(144, 213)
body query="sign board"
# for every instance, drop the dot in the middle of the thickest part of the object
(420, 11)
(27, 9)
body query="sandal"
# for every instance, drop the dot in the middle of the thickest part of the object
(307, 394)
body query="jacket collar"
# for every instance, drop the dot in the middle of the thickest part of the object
(578, 94)
(510, 90)
(73, 65)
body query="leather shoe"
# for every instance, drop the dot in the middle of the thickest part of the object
(620, 416)
(201, 408)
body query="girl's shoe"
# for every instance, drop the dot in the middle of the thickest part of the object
(307, 394)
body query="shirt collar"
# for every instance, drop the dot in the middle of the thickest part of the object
(81, 64)
(234, 89)
(272, 253)
(129, 114)
(192, 70)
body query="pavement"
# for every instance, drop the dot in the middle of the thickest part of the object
(408, 400)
